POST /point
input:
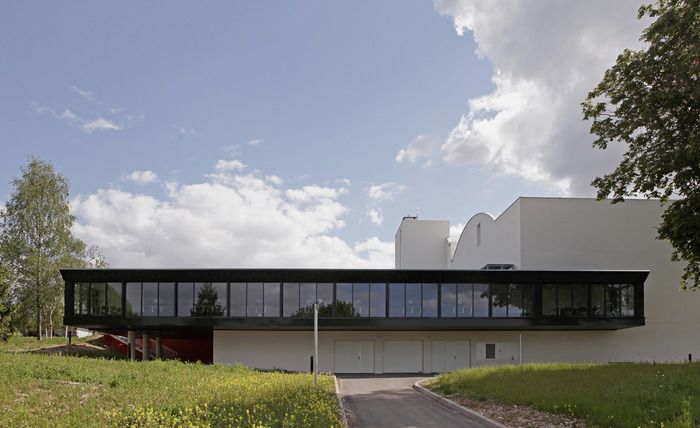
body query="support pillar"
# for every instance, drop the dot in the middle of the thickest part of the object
(146, 347)
(159, 347)
(131, 336)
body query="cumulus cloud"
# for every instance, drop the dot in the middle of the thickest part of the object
(423, 146)
(376, 216)
(142, 177)
(230, 165)
(254, 142)
(384, 191)
(229, 220)
(546, 55)
(99, 124)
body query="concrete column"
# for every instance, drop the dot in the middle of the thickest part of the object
(159, 347)
(146, 346)
(131, 338)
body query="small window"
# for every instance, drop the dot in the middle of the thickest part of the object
(478, 234)
(490, 351)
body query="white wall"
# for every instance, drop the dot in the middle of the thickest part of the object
(499, 243)
(421, 244)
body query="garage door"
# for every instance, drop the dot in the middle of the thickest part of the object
(403, 356)
(353, 357)
(450, 355)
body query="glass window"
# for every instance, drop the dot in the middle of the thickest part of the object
(397, 300)
(150, 299)
(343, 301)
(627, 305)
(255, 299)
(481, 300)
(133, 299)
(272, 299)
(528, 300)
(237, 299)
(565, 300)
(580, 305)
(430, 297)
(612, 301)
(549, 300)
(465, 295)
(185, 299)
(377, 300)
(209, 299)
(499, 300)
(307, 298)
(490, 351)
(360, 299)
(82, 297)
(290, 296)
(448, 300)
(597, 300)
(166, 299)
(324, 292)
(114, 298)
(98, 298)
(413, 300)
(516, 301)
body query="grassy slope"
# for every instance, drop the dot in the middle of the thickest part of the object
(616, 395)
(91, 346)
(49, 390)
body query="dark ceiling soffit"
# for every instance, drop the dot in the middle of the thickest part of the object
(353, 275)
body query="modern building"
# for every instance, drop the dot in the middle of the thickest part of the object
(550, 279)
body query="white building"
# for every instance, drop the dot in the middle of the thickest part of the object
(550, 279)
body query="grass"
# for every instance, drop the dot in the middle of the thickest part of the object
(612, 395)
(91, 346)
(51, 391)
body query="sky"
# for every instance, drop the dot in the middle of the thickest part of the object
(298, 134)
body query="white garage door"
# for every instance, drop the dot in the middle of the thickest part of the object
(403, 356)
(354, 357)
(450, 355)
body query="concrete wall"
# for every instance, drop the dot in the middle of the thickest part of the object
(499, 241)
(290, 350)
(421, 244)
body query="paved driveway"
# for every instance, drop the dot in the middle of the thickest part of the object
(390, 402)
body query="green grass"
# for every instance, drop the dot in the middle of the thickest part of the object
(50, 391)
(91, 346)
(612, 395)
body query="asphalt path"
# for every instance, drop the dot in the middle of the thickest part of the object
(390, 402)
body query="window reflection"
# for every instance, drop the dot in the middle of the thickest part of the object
(343, 304)
(465, 296)
(114, 298)
(185, 299)
(377, 300)
(324, 293)
(430, 297)
(549, 300)
(448, 300)
(413, 300)
(397, 300)
(290, 296)
(209, 299)
(580, 300)
(98, 298)
(166, 299)
(150, 299)
(133, 299)
(237, 299)
(271, 299)
(255, 299)
(360, 299)
(481, 300)
(81, 298)
(499, 300)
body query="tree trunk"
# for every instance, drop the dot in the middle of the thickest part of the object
(38, 318)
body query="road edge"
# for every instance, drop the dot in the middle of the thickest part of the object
(341, 406)
(469, 413)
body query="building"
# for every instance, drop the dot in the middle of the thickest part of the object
(550, 279)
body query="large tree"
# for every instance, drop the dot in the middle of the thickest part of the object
(35, 241)
(6, 305)
(650, 101)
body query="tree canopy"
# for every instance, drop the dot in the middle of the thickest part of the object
(35, 241)
(650, 101)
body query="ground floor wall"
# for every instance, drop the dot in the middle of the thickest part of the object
(434, 351)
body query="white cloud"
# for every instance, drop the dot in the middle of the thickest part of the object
(455, 232)
(423, 146)
(99, 124)
(546, 55)
(230, 220)
(384, 191)
(344, 181)
(254, 142)
(375, 215)
(83, 93)
(232, 165)
(141, 177)
(277, 181)
(185, 132)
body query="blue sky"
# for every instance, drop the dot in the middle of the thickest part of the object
(138, 102)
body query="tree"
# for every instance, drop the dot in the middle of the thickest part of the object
(36, 240)
(207, 302)
(6, 306)
(650, 101)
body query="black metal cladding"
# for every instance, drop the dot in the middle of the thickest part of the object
(533, 321)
